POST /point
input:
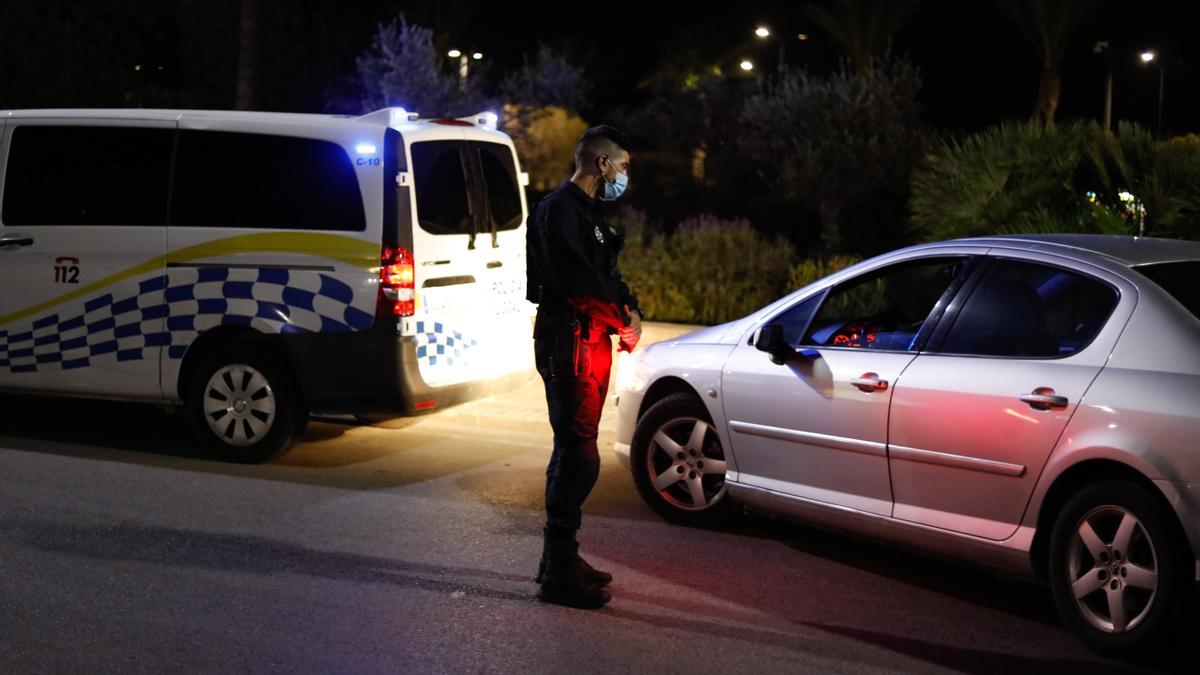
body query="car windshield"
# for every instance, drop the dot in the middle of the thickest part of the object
(1178, 279)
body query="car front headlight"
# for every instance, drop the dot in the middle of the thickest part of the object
(630, 372)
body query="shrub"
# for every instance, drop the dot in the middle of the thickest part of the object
(708, 271)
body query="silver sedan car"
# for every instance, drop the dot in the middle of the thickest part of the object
(1027, 403)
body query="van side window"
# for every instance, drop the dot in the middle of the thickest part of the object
(87, 175)
(230, 179)
(500, 179)
(440, 179)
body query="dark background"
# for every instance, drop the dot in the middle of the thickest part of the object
(977, 67)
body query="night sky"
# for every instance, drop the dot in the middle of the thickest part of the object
(977, 67)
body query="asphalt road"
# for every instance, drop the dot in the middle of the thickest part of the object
(409, 546)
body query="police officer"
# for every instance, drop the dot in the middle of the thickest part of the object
(582, 301)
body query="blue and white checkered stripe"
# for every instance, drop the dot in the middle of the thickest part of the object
(122, 326)
(439, 346)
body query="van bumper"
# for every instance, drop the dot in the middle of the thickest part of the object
(375, 375)
(417, 397)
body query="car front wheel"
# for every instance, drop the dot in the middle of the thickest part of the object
(679, 465)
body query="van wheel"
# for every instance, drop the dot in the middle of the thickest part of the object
(243, 403)
(1118, 569)
(678, 463)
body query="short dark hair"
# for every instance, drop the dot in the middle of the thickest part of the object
(599, 141)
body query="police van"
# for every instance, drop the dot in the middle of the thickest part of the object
(256, 267)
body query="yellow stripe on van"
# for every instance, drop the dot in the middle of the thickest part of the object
(349, 250)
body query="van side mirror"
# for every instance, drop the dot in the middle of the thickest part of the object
(770, 340)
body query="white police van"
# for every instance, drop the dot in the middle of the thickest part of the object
(254, 267)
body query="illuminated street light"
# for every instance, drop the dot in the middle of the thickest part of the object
(802, 37)
(764, 33)
(478, 56)
(1150, 56)
(454, 53)
(747, 66)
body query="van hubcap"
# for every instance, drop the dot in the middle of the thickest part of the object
(239, 405)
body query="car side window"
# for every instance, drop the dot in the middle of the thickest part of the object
(1024, 309)
(796, 319)
(885, 309)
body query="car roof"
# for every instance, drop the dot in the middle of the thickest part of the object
(1125, 250)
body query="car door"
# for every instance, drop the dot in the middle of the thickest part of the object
(816, 426)
(82, 244)
(974, 419)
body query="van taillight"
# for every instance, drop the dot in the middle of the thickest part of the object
(396, 280)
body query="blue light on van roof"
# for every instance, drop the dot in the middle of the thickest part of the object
(365, 149)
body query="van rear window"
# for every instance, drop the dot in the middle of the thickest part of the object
(1178, 279)
(465, 187)
(229, 179)
(87, 175)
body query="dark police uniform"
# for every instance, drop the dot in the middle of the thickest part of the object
(572, 273)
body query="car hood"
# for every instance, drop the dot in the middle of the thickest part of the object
(726, 333)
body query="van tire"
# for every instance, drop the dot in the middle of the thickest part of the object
(243, 404)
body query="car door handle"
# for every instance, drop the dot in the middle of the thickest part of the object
(1044, 398)
(870, 382)
(14, 241)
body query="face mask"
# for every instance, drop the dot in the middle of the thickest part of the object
(614, 190)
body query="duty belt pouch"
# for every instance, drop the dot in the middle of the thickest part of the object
(572, 355)
(564, 358)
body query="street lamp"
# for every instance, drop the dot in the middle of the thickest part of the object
(1150, 56)
(764, 33)
(464, 64)
(746, 66)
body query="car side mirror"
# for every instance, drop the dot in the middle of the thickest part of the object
(770, 340)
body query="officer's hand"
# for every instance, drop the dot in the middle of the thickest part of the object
(631, 334)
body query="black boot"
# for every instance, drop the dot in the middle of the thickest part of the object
(562, 580)
(597, 577)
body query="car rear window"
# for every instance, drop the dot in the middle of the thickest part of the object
(1178, 279)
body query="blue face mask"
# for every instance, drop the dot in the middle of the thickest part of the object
(614, 190)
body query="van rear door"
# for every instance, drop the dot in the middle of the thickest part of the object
(468, 245)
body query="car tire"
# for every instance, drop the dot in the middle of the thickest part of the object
(679, 465)
(243, 403)
(1121, 603)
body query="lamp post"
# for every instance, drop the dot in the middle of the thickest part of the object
(464, 64)
(1150, 56)
(764, 33)
(1104, 48)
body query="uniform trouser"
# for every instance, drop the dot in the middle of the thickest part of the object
(575, 372)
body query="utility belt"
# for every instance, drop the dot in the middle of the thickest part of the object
(568, 341)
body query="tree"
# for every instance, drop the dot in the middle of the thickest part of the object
(1011, 178)
(830, 144)
(1049, 26)
(864, 28)
(545, 138)
(541, 104)
(247, 54)
(1024, 178)
(401, 68)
